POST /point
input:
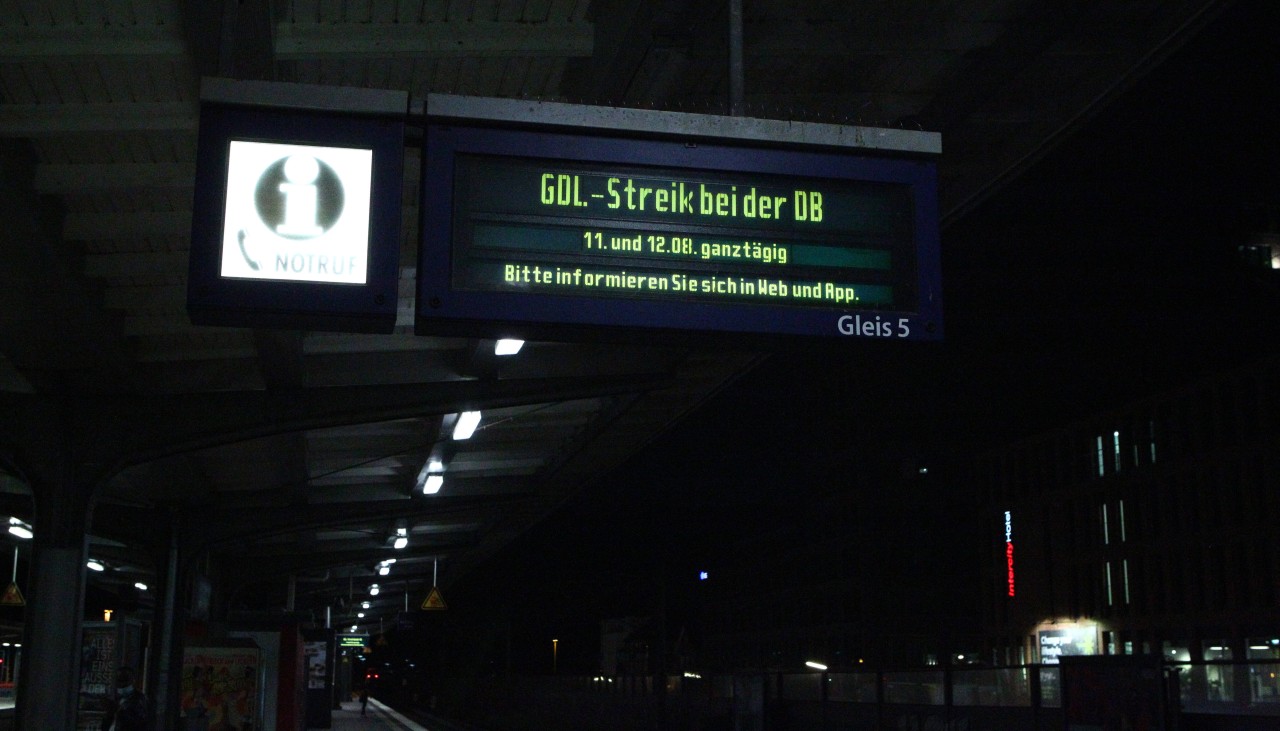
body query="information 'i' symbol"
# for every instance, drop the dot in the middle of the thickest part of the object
(299, 191)
(299, 197)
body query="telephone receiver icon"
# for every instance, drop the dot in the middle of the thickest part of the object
(245, 252)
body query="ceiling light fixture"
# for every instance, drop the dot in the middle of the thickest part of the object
(402, 538)
(20, 529)
(432, 484)
(466, 425)
(434, 468)
(373, 590)
(507, 346)
(95, 565)
(140, 586)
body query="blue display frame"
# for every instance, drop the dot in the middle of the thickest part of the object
(444, 308)
(223, 301)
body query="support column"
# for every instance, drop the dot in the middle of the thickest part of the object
(48, 694)
(166, 692)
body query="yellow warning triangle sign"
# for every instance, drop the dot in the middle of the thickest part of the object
(434, 600)
(12, 597)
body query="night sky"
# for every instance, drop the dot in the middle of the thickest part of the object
(1107, 272)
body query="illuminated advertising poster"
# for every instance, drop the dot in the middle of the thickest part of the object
(317, 658)
(296, 213)
(1067, 641)
(99, 658)
(220, 687)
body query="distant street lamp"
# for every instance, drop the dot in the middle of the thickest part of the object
(554, 655)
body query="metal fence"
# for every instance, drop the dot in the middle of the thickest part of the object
(1204, 697)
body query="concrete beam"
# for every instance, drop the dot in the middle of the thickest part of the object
(446, 39)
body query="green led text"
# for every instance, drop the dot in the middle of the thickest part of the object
(563, 190)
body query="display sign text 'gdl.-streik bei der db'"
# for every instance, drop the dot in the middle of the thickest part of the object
(552, 229)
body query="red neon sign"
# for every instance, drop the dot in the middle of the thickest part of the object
(1008, 549)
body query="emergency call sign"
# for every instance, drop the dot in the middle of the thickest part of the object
(296, 212)
(296, 216)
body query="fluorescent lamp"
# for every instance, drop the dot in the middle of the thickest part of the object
(95, 565)
(507, 346)
(815, 665)
(466, 425)
(432, 484)
(140, 586)
(433, 466)
(384, 570)
(20, 529)
(373, 590)
(401, 541)
(360, 615)
(364, 605)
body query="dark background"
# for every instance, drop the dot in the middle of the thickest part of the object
(1108, 272)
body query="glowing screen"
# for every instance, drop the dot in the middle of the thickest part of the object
(545, 229)
(296, 213)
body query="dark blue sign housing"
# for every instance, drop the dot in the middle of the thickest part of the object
(296, 218)
(549, 234)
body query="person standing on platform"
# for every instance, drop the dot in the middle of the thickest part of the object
(364, 698)
(129, 713)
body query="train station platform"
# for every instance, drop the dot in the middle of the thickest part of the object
(378, 717)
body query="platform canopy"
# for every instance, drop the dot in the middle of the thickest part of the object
(295, 453)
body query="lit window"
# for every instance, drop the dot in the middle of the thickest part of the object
(1115, 439)
(1106, 570)
(1102, 461)
(1124, 567)
(1106, 529)
(1123, 533)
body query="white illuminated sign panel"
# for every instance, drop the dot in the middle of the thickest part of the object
(297, 213)
(1067, 641)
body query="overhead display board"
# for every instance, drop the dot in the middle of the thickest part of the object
(528, 231)
(296, 219)
(352, 641)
